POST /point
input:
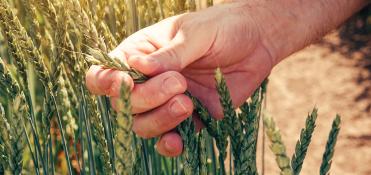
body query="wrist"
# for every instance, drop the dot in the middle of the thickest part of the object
(287, 26)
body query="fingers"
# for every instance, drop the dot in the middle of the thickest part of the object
(156, 91)
(145, 97)
(170, 144)
(164, 118)
(181, 51)
(108, 82)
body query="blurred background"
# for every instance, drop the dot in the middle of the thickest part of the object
(335, 76)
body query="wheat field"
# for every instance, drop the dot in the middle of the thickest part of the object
(51, 124)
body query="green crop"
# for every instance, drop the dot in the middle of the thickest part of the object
(51, 124)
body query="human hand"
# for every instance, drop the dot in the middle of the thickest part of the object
(245, 39)
(181, 53)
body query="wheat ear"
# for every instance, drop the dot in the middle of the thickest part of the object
(303, 142)
(124, 138)
(277, 146)
(330, 146)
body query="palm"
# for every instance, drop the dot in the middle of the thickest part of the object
(242, 79)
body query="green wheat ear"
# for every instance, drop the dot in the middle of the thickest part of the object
(277, 146)
(203, 170)
(330, 146)
(250, 117)
(124, 139)
(303, 142)
(190, 153)
(224, 126)
(232, 125)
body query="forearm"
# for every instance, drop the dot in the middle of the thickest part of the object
(289, 25)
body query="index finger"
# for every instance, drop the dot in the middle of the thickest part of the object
(100, 81)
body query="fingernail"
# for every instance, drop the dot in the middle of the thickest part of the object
(172, 84)
(177, 108)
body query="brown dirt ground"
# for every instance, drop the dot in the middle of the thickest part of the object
(336, 79)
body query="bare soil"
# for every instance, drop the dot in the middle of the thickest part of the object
(333, 75)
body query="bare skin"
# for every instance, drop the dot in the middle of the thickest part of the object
(246, 39)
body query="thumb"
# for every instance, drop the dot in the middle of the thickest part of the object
(175, 56)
